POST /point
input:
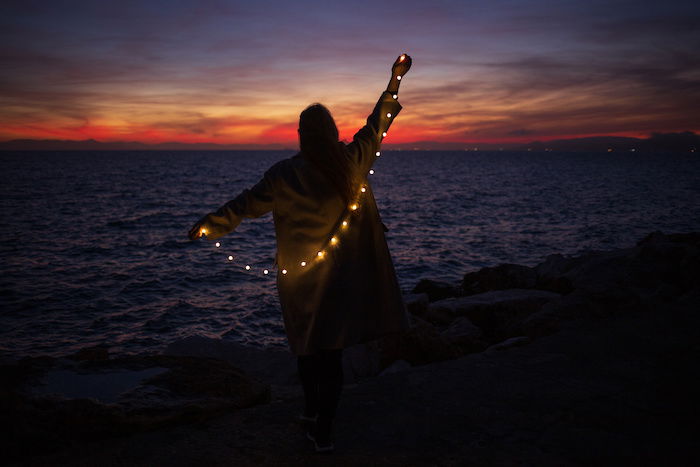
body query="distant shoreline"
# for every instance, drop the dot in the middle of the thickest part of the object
(686, 141)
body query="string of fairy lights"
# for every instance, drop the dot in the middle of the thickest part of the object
(333, 240)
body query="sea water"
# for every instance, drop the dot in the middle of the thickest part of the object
(93, 245)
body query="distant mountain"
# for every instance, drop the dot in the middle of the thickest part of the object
(658, 142)
(93, 145)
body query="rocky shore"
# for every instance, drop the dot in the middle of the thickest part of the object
(578, 361)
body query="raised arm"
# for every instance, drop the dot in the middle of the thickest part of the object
(366, 142)
(250, 203)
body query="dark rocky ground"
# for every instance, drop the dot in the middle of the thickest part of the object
(579, 361)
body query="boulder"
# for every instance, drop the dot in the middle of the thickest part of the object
(416, 303)
(542, 323)
(672, 260)
(63, 401)
(549, 318)
(550, 274)
(601, 272)
(420, 344)
(509, 343)
(398, 365)
(498, 313)
(436, 290)
(464, 334)
(439, 315)
(277, 367)
(502, 277)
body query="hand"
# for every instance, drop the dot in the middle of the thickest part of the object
(197, 230)
(401, 65)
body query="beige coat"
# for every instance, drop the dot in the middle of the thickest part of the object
(340, 286)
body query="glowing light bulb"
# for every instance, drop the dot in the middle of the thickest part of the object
(247, 267)
(303, 263)
(363, 189)
(395, 96)
(265, 271)
(388, 115)
(371, 171)
(398, 78)
(377, 153)
(284, 271)
(230, 258)
(319, 254)
(353, 207)
(218, 244)
(203, 231)
(345, 223)
(384, 134)
(334, 240)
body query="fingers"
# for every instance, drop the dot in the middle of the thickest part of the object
(195, 232)
(403, 61)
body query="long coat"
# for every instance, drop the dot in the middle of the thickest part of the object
(336, 281)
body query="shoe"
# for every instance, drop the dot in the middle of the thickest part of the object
(323, 447)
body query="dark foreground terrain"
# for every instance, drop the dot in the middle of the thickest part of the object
(579, 361)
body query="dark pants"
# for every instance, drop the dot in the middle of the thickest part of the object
(321, 376)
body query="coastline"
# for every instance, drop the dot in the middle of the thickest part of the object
(579, 360)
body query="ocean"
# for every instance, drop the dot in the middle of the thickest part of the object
(93, 245)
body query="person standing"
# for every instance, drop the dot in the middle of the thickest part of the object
(335, 277)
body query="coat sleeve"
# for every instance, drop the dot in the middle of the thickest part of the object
(366, 142)
(253, 202)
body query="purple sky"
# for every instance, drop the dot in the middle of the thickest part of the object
(234, 72)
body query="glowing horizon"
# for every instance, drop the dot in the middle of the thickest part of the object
(228, 73)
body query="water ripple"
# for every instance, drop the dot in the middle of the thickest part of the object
(94, 250)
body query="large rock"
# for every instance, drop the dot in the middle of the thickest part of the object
(47, 403)
(397, 366)
(277, 367)
(465, 335)
(502, 277)
(420, 344)
(550, 273)
(509, 343)
(549, 318)
(498, 313)
(668, 260)
(416, 303)
(436, 290)
(601, 272)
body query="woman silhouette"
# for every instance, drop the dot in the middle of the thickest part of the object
(336, 282)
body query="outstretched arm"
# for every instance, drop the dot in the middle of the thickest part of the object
(366, 142)
(250, 203)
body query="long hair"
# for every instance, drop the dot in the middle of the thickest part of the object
(318, 141)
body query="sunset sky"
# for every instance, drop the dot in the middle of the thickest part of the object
(241, 72)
